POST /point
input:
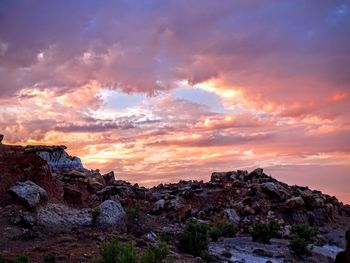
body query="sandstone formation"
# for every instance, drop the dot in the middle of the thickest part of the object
(56, 157)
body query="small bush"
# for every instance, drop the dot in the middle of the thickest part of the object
(304, 231)
(194, 239)
(114, 252)
(223, 229)
(299, 246)
(95, 213)
(264, 232)
(214, 234)
(155, 255)
(133, 212)
(227, 229)
(302, 236)
(50, 258)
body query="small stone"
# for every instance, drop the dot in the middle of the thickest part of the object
(248, 211)
(232, 215)
(159, 205)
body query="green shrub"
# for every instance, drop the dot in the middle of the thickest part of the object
(194, 239)
(115, 252)
(95, 213)
(302, 236)
(50, 258)
(214, 234)
(299, 246)
(304, 231)
(222, 229)
(133, 212)
(155, 255)
(227, 229)
(264, 232)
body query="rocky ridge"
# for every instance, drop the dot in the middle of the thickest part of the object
(50, 191)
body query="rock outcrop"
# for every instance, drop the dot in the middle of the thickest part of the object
(56, 157)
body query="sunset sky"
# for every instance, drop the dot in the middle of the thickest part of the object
(165, 90)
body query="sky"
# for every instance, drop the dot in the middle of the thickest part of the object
(164, 90)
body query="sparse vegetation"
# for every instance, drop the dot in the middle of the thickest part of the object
(302, 236)
(155, 255)
(304, 231)
(264, 232)
(133, 212)
(299, 246)
(194, 239)
(115, 252)
(222, 229)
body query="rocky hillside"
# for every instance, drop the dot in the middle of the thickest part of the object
(50, 203)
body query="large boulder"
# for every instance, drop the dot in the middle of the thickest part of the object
(61, 215)
(274, 190)
(294, 202)
(112, 214)
(29, 194)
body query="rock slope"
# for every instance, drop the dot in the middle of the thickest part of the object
(44, 191)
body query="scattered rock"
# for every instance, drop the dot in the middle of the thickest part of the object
(61, 215)
(159, 205)
(29, 194)
(232, 215)
(274, 190)
(108, 177)
(294, 202)
(248, 211)
(72, 196)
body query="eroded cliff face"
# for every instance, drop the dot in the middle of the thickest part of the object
(18, 166)
(56, 157)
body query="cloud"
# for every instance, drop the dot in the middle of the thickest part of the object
(135, 87)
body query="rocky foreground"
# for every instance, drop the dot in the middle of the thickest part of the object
(49, 203)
